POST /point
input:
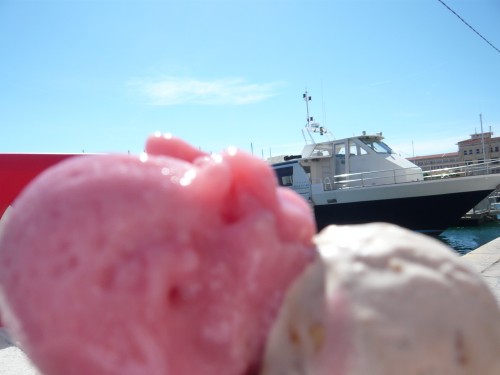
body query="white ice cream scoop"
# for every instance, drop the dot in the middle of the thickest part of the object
(381, 300)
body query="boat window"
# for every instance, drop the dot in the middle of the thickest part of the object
(284, 175)
(340, 149)
(322, 150)
(377, 146)
(354, 150)
(307, 169)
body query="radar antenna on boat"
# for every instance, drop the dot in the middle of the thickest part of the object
(312, 126)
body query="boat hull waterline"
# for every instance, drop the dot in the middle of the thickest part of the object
(427, 206)
(428, 214)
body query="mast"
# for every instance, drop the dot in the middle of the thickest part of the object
(307, 98)
(482, 136)
(311, 126)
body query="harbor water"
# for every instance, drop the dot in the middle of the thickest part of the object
(466, 239)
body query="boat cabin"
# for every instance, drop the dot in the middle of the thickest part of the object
(353, 162)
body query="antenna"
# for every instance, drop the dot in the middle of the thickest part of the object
(307, 98)
(323, 105)
(312, 126)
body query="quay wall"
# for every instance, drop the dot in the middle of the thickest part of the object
(486, 260)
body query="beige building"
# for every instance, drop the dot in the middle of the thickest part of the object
(438, 161)
(479, 147)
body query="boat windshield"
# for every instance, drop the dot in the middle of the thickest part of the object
(377, 146)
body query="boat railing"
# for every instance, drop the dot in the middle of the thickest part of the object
(489, 166)
(381, 177)
(405, 175)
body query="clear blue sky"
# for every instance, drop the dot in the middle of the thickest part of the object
(101, 75)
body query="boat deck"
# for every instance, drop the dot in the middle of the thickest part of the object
(485, 260)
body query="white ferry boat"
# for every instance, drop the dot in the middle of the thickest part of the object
(360, 179)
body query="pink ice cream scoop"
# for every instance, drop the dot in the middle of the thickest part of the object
(381, 300)
(175, 262)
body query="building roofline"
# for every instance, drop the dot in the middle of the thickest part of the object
(444, 155)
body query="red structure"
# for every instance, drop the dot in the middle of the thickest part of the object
(17, 170)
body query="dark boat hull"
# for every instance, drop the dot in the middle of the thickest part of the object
(415, 213)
